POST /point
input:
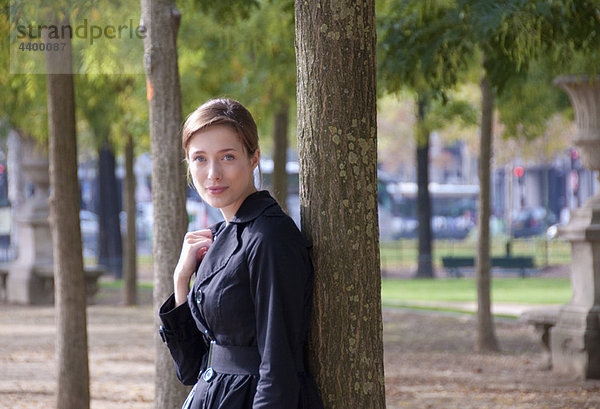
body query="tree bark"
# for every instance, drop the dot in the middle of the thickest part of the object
(110, 246)
(69, 279)
(130, 264)
(425, 261)
(335, 53)
(486, 337)
(161, 20)
(280, 139)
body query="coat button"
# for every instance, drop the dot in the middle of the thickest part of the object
(208, 374)
(199, 297)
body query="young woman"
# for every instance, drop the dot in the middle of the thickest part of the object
(239, 334)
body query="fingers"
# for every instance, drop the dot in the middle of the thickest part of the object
(201, 233)
(201, 252)
(195, 246)
(200, 237)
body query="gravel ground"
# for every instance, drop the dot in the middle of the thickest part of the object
(429, 361)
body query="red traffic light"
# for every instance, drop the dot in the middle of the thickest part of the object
(574, 154)
(518, 171)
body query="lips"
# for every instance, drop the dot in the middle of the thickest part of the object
(215, 190)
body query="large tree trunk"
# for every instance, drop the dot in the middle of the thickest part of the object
(110, 247)
(486, 338)
(335, 52)
(69, 279)
(425, 261)
(130, 264)
(280, 145)
(161, 19)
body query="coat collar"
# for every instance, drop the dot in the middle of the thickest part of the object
(219, 252)
(254, 205)
(226, 235)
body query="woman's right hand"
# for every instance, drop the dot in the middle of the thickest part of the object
(195, 246)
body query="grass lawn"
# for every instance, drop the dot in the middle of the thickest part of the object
(509, 290)
(118, 284)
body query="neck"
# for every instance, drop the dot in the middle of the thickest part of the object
(230, 211)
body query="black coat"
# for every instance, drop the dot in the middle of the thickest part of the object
(253, 288)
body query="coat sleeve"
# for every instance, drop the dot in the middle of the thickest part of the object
(184, 340)
(279, 267)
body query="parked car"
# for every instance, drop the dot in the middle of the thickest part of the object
(532, 222)
(404, 227)
(451, 227)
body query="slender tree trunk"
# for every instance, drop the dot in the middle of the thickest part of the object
(280, 139)
(335, 53)
(425, 262)
(486, 338)
(110, 247)
(69, 278)
(130, 265)
(161, 19)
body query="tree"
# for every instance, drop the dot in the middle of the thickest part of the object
(130, 263)
(280, 144)
(110, 248)
(443, 47)
(23, 95)
(161, 20)
(98, 102)
(510, 33)
(132, 131)
(486, 336)
(425, 238)
(416, 53)
(336, 99)
(69, 279)
(511, 36)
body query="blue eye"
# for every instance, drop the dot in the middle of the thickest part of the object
(199, 159)
(229, 157)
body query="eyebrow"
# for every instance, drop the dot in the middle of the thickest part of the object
(220, 151)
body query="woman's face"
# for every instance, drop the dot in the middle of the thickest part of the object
(221, 169)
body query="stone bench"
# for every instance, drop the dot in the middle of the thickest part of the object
(44, 275)
(92, 275)
(453, 265)
(542, 320)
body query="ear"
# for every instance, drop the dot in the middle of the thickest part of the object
(255, 159)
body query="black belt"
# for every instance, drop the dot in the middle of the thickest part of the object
(234, 360)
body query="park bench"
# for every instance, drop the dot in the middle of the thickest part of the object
(454, 264)
(542, 320)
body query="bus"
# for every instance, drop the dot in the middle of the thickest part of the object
(453, 209)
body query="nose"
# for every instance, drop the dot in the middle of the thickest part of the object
(214, 171)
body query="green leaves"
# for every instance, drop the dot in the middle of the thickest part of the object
(423, 45)
(228, 11)
(429, 43)
(251, 59)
